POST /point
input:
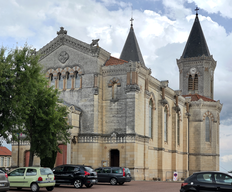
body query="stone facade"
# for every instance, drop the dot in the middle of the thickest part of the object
(123, 116)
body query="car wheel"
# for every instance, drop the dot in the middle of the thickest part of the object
(89, 185)
(19, 188)
(34, 187)
(78, 183)
(113, 181)
(121, 183)
(49, 188)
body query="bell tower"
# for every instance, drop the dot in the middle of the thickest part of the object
(196, 65)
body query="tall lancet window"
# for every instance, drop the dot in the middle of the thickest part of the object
(69, 80)
(165, 124)
(207, 129)
(60, 78)
(196, 82)
(52, 80)
(150, 118)
(190, 82)
(114, 91)
(77, 80)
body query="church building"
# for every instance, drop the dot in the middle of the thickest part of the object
(123, 116)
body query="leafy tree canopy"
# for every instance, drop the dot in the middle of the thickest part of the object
(28, 105)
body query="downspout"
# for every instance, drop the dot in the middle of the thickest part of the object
(188, 100)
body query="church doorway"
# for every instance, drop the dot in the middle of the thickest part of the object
(114, 158)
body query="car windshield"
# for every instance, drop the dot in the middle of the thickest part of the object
(46, 171)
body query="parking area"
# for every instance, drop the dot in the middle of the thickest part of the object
(135, 186)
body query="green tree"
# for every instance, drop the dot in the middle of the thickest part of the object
(33, 107)
(11, 103)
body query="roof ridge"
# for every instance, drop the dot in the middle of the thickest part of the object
(119, 59)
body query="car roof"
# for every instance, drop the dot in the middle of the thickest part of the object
(109, 167)
(212, 172)
(71, 165)
(31, 167)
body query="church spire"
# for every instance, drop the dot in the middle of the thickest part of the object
(196, 45)
(131, 50)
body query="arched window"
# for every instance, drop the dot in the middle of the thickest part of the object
(165, 124)
(52, 80)
(150, 118)
(190, 82)
(77, 80)
(196, 82)
(114, 91)
(178, 129)
(207, 129)
(60, 81)
(69, 81)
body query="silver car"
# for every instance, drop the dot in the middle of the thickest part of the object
(4, 183)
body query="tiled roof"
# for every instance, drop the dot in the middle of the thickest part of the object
(115, 61)
(4, 151)
(196, 97)
(196, 45)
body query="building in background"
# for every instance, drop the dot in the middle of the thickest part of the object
(5, 158)
(123, 116)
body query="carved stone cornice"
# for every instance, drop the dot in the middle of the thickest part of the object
(191, 59)
(207, 104)
(132, 88)
(115, 70)
(112, 138)
(204, 154)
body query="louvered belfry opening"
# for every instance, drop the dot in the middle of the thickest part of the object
(190, 83)
(193, 82)
(196, 82)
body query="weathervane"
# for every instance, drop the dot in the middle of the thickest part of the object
(197, 9)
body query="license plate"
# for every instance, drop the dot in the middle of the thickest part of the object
(48, 179)
(2, 184)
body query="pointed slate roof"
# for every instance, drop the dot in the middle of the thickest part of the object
(131, 50)
(196, 45)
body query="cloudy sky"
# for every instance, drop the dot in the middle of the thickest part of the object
(161, 26)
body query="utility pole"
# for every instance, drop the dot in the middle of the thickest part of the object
(18, 149)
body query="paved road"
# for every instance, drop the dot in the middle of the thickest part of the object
(134, 186)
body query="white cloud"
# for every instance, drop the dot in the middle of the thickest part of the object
(215, 6)
(161, 37)
(226, 158)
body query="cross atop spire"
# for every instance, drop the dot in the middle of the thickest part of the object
(131, 21)
(197, 9)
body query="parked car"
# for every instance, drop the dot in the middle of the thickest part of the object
(77, 175)
(32, 177)
(4, 182)
(207, 181)
(113, 175)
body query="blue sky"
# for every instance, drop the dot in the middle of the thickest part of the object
(161, 26)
